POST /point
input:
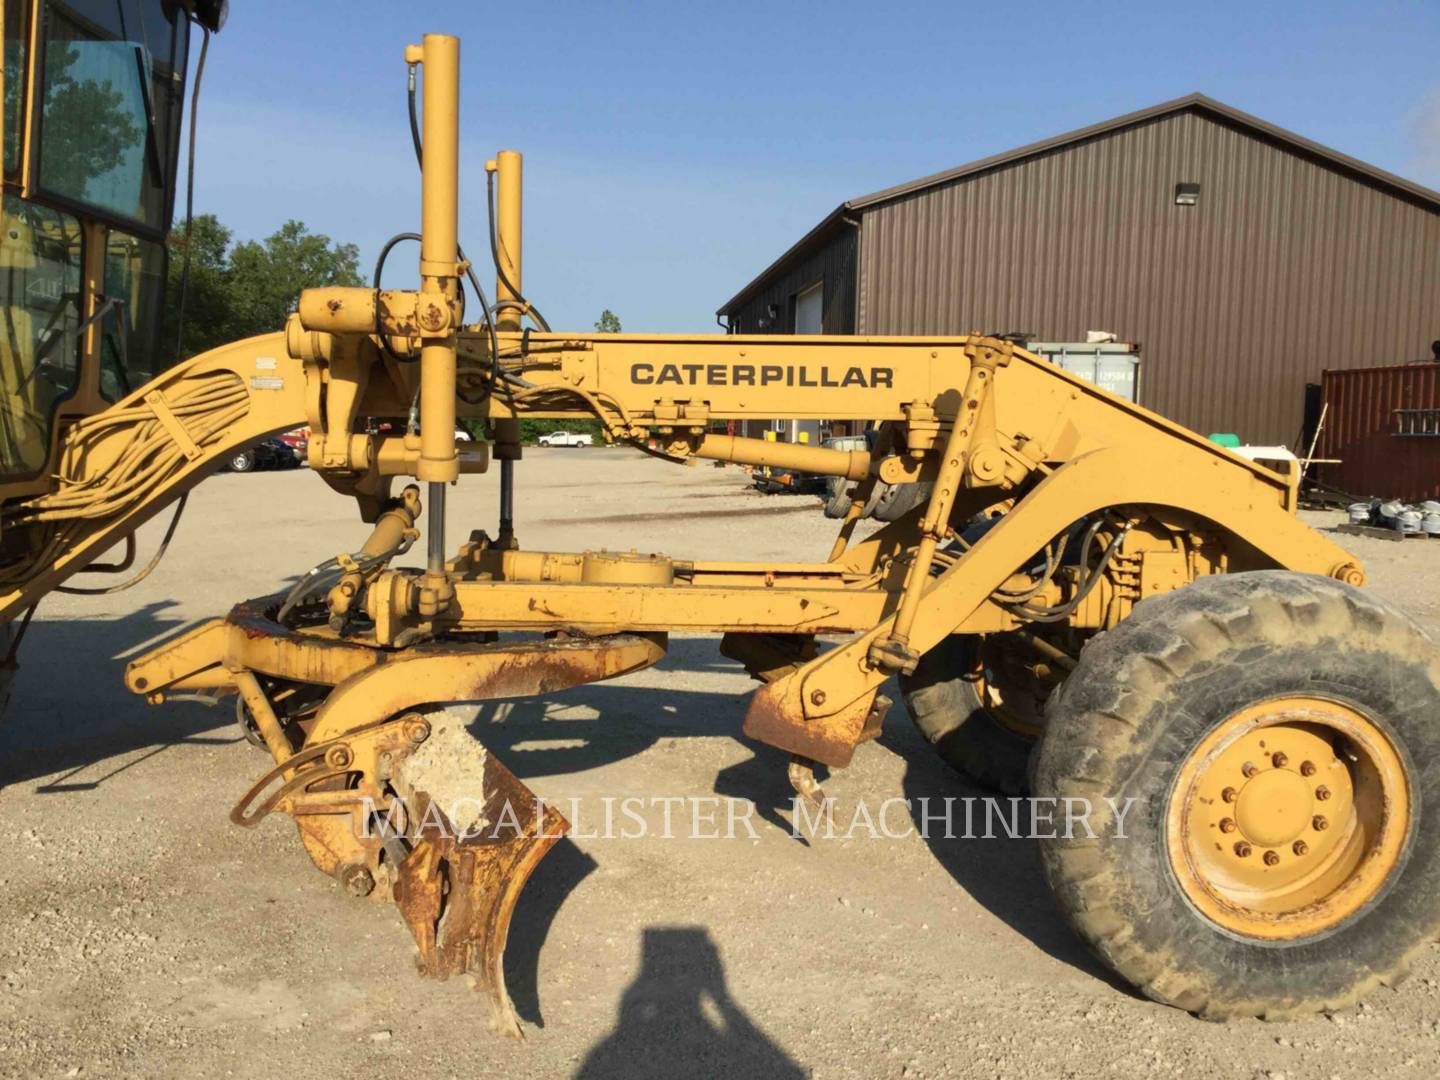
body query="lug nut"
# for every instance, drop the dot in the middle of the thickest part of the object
(1242, 849)
(1319, 824)
(1248, 769)
(1229, 794)
(1307, 768)
(1227, 825)
(1300, 847)
(1278, 760)
(1322, 793)
(1271, 858)
(817, 697)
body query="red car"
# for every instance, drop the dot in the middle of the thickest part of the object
(298, 440)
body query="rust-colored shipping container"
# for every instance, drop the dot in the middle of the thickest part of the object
(1383, 423)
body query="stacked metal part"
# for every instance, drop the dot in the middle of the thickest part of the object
(1394, 514)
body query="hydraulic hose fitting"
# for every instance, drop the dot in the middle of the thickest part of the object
(394, 531)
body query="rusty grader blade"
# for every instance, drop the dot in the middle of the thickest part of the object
(476, 835)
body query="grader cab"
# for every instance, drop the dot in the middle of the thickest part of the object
(1093, 605)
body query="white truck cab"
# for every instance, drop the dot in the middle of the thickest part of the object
(566, 438)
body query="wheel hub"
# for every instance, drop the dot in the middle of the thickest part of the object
(1274, 808)
(1288, 818)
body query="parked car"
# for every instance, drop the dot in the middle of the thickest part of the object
(566, 438)
(298, 440)
(266, 454)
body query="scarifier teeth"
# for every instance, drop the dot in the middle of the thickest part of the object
(458, 887)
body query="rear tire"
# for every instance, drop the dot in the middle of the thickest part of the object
(244, 461)
(897, 500)
(1186, 907)
(943, 698)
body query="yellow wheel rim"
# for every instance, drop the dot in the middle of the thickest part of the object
(1007, 692)
(1288, 818)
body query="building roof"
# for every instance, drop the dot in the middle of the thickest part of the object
(1199, 103)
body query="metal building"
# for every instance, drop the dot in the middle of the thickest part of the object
(1243, 258)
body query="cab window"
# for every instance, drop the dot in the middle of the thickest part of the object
(110, 90)
(40, 263)
(130, 349)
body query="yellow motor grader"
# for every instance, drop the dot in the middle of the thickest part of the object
(1093, 604)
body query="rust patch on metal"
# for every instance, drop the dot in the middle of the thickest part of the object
(480, 672)
(777, 716)
(457, 895)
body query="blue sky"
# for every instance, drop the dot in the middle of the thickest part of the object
(674, 149)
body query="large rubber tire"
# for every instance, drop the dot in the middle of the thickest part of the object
(944, 701)
(897, 500)
(1145, 695)
(838, 502)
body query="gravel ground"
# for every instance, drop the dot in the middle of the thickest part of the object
(142, 935)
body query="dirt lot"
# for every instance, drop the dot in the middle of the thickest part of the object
(141, 934)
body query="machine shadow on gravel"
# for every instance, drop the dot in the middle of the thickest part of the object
(557, 876)
(1002, 874)
(67, 716)
(678, 1019)
(533, 737)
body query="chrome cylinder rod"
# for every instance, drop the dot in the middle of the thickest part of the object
(435, 538)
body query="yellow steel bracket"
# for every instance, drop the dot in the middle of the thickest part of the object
(303, 777)
(820, 710)
(176, 430)
(972, 431)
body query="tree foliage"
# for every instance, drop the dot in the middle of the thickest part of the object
(207, 303)
(238, 290)
(608, 323)
(266, 277)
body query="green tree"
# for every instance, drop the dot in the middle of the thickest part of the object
(248, 288)
(265, 277)
(207, 301)
(608, 323)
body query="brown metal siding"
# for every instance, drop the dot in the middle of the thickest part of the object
(1360, 425)
(833, 262)
(1284, 268)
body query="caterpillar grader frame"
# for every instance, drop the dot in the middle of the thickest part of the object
(1191, 644)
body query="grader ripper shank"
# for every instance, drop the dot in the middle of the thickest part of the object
(1090, 588)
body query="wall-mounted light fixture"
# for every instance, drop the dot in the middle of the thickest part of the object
(1187, 194)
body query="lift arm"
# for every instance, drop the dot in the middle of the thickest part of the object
(121, 467)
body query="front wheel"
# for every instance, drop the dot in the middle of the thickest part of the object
(241, 461)
(1259, 759)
